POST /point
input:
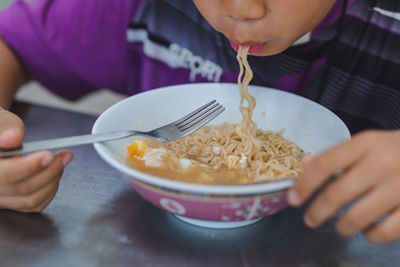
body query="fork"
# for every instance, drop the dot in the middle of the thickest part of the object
(170, 132)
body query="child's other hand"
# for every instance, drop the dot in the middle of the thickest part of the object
(371, 172)
(27, 184)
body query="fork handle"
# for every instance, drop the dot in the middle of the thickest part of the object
(67, 142)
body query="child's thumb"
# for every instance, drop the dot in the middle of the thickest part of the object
(12, 130)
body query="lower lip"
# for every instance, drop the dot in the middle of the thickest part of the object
(254, 49)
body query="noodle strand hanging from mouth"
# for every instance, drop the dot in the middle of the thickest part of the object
(247, 128)
(244, 78)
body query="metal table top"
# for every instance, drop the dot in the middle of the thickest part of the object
(97, 219)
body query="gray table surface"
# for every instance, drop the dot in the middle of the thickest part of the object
(97, 219)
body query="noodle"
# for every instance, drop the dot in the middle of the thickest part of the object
(254, 154)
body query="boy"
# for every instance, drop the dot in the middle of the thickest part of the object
(346, 60)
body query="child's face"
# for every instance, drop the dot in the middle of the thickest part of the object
(267, 26)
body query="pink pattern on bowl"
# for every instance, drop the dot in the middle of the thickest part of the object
(212, 207)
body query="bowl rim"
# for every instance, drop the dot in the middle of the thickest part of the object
(246, 189)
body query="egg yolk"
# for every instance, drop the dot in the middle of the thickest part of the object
(137, 149)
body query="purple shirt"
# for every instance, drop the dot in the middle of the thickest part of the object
(73, 46)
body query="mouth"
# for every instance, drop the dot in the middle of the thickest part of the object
(253, 49)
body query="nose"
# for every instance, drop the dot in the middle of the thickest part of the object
(244, 9)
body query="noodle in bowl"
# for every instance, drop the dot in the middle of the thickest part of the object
(305, 123)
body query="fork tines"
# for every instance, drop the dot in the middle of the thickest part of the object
(200, 116)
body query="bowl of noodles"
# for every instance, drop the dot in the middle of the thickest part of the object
(232, 200)
(230, 173)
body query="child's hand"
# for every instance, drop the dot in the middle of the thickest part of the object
(27, 184)
(371, 171)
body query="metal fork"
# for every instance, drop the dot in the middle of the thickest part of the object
(170, 132)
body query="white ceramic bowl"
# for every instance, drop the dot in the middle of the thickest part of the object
(308, 124)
